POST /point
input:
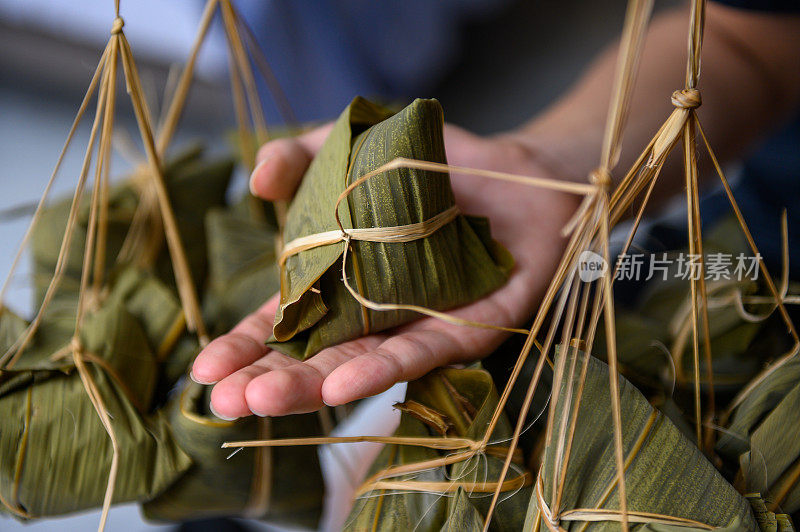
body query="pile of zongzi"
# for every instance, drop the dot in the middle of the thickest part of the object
(55, 454)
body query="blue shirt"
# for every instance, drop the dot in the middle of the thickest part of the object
(770, 180)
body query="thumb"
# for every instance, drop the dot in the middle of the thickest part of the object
(281, 163)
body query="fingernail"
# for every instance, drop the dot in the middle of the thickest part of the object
(256, 170)
(198, 381)
(211, 407)
(259, 414)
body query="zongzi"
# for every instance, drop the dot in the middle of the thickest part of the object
(55, 454)
(456, 264)
(258, 483)
(668, 479)
(449, 496)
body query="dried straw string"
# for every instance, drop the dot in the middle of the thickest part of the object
(636, 19)
(740, 299)
(566, 269)
(394, 234)
(445, 444)
(378, 481)
(178, 101)
(410, 232)
(243, 68)
(691, 169)
(515, 483)
(183, 276)
(573, 288)
(748, 235)
(245, 93)
(778, 299)
(576, 343)
(117, 43)
(243, 89)
(108, 91)
(674, 129)
(678, 101)
(696, 249)
(8, 359)
(678, 97)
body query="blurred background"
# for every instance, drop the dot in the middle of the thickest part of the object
(492, 63)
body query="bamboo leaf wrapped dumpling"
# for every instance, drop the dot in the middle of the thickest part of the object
(258, 483)
(457, 264)
(444, 496)
(242, 269)
(55, 454)
(665, 473)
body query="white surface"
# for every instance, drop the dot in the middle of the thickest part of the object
(345, 464)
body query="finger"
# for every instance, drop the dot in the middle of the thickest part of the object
(297, 388)
(282, 163)
(227, 396)
(423, 345)
(403, 357)
(237, 349)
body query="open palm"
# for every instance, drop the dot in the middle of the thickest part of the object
(250, 378)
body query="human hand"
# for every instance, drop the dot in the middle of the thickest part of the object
(250, 378)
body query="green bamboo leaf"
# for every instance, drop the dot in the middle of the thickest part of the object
(772, 465)
(242, 269)
(194, 186)
(757, 405)
(462, 516)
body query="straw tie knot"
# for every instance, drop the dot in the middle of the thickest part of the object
(686, 99)
(600, 176)
(116, 27)
(551, 521)
(75, 345)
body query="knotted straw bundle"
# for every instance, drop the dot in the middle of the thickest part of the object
(410, 245)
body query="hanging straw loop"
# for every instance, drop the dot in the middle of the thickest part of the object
(686, 99)
(116, 27)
